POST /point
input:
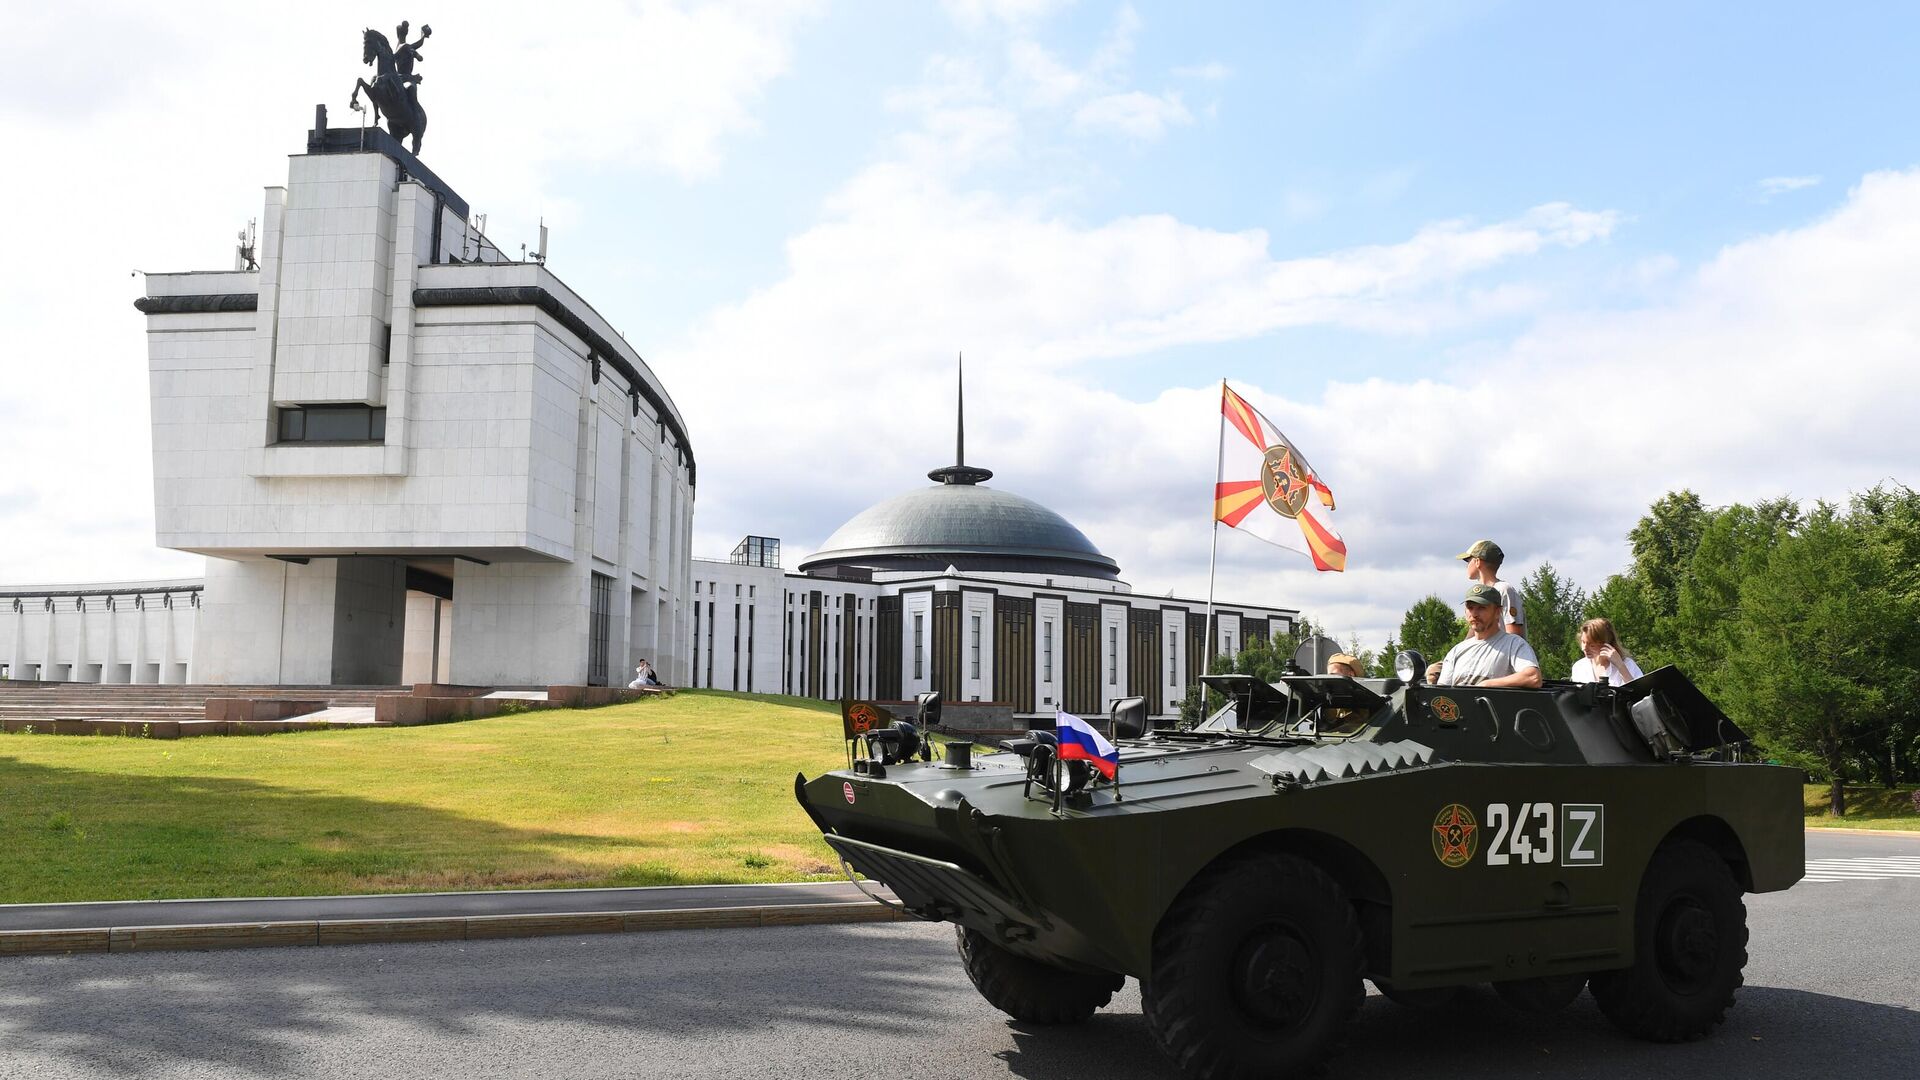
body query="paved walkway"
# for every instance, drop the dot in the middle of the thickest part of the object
(418, 905)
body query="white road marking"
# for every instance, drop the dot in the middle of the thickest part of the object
(1865, 869)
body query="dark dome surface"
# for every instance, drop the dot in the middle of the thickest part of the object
(965, 526)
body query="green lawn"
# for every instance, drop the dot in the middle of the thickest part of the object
(1867, 808)
(696, 788)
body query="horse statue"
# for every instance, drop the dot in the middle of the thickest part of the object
(395, 90)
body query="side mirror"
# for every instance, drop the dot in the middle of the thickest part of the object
(929, 703)
(1129, 717)
(1410, 667)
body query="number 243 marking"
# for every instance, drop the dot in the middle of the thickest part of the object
(1526, 835)
(1523, 837)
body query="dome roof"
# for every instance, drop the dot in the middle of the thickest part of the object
(963, 525)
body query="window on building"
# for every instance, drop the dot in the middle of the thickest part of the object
(1046, 651)
(919, 627)
(1173, 658)
(332, 424)
(599, 618)
(736, 590)
(976, 646)
(1113, 656)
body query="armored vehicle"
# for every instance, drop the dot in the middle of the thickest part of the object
(1250, 872)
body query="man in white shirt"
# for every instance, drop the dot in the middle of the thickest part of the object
(1490, 656)
(1483, 561)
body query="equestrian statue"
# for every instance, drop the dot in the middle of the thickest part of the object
(395, 90)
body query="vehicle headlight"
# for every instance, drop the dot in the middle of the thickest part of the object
(1410, 666)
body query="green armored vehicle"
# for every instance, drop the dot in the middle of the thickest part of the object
(1315, 832)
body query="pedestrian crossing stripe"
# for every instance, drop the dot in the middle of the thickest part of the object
(1863, 869)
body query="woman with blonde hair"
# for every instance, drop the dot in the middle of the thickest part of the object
(1605, 661)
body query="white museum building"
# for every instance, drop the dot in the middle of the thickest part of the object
(403, 454)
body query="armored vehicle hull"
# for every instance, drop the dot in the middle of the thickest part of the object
(1455, 835)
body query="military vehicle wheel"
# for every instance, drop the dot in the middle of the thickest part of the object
(1545, 994)
(1030, 990)
(1690, 945)
(1256, 970)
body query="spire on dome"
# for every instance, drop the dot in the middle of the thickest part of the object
(960, 472)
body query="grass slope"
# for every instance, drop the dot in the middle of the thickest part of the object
(697, 788)
(1867, 808)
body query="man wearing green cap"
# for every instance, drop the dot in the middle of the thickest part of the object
(1483, 561)
(1490, 656)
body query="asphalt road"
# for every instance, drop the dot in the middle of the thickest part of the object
(1831, 989)
(418, 905)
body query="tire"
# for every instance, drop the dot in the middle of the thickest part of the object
(1256, 971)
(1689, 948)
(1030, 990)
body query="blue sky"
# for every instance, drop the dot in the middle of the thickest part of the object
(1500, 269)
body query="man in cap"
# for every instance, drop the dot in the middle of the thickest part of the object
(1490, 656)
(1343, 664)
(1483, 561)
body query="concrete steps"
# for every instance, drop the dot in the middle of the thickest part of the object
(29, 702)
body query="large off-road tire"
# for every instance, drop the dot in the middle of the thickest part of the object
(1689, 947)
(1030, 990)
(1256, 971)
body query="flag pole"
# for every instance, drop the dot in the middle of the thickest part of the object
(1213, 515)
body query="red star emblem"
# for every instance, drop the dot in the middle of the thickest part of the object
(1455, 836)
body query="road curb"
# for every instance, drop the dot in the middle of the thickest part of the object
(1841, 830)
(262, 935)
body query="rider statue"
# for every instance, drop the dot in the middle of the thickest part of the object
(395, 90)
(405, 55)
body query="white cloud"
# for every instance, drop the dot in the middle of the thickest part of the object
(1134, 114)
(973, 14)
(1780, 185)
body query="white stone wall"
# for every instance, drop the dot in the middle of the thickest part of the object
(1174, 676)
(132, 632)
(749, 607)
(428, 653)
(336, 275)
(503, 454)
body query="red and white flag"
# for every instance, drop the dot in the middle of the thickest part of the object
(1267, 489)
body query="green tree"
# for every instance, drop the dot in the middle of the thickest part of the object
(1888, 520)
(1663, 543)
(1623, 602)
(1431, 627)
(1803, 673)
(1733, 546)
(1554, 609)
(1382, 667)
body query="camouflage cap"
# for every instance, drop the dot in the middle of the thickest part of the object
(1483, 549)
(1480, 593)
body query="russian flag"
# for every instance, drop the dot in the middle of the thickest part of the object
(1080, 742)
